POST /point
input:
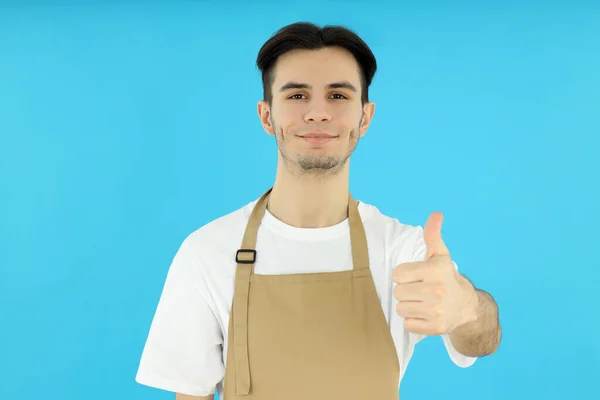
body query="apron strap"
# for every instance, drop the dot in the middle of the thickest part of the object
(245, 259)
(358, 237)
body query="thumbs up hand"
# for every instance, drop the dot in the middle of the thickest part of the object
(433, 298)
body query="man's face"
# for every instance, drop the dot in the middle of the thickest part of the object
(316, 114)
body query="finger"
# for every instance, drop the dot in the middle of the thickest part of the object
(414, 291)
(432, 234)
(411, 309)
(409, 272)
(422, 326)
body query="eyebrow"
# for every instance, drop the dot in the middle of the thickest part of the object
(334, 85)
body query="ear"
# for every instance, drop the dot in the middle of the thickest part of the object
(367, 117)
(264, 113)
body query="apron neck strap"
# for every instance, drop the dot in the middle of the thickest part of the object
(246, 255)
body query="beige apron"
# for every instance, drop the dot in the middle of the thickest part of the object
(308, 336)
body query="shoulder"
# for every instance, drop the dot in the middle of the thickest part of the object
(228, 228)
(205, 254)
(400, 239)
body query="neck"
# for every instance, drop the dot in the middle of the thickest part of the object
(306, 201)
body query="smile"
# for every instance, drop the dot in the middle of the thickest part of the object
(318, 138)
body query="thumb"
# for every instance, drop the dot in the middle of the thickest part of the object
(432, 233)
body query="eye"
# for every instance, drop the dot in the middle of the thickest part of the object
(299, 96)
(341, 96)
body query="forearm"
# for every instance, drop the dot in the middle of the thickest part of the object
(480, 337)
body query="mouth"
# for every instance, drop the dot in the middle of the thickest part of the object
(318, 138)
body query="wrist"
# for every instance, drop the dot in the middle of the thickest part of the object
(471, 300)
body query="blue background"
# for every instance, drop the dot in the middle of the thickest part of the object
(124, 126)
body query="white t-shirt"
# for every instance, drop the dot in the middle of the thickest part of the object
(186, 348)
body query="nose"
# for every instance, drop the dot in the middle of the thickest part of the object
(317, 112)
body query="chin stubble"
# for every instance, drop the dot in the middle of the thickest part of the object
(315, 165)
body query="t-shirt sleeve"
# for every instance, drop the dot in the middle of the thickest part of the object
(183, 350)
(459, 359)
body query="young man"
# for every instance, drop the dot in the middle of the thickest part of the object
(307, 293)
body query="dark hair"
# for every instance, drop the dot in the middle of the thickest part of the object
(308, 36)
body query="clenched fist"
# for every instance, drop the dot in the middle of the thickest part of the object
(433, 298)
